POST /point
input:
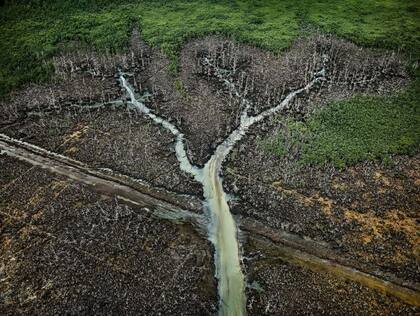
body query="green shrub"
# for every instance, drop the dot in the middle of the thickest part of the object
(32, 31)
(362, 128)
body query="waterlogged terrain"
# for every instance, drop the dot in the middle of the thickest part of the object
(68, 248)
(222, 228)
(165, 183)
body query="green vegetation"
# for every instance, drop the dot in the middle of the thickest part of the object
(362, 128)
(384, 23)
(33, 31)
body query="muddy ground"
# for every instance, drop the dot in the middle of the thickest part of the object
(95, 129)
(110, 138)
(67, 250)
(280, 288)
(366, 213)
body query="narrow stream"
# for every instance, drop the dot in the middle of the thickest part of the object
(223, 235)
(222, 230)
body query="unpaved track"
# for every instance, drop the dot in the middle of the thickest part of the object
(283, 245)
(165, 205)
(304, 255)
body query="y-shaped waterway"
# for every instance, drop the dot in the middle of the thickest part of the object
(222, 230)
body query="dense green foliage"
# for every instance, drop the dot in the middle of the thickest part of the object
(32, 31)
(362, 128)
(386, 23)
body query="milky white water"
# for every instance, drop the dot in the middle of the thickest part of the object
(222, 229)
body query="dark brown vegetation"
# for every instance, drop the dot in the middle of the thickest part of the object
(280, 288)
(91, 128)
(366, 212)
(110, 138)
(201, 105)
(264, 78)
(68, 250)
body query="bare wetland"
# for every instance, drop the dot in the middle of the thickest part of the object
(235, 181)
